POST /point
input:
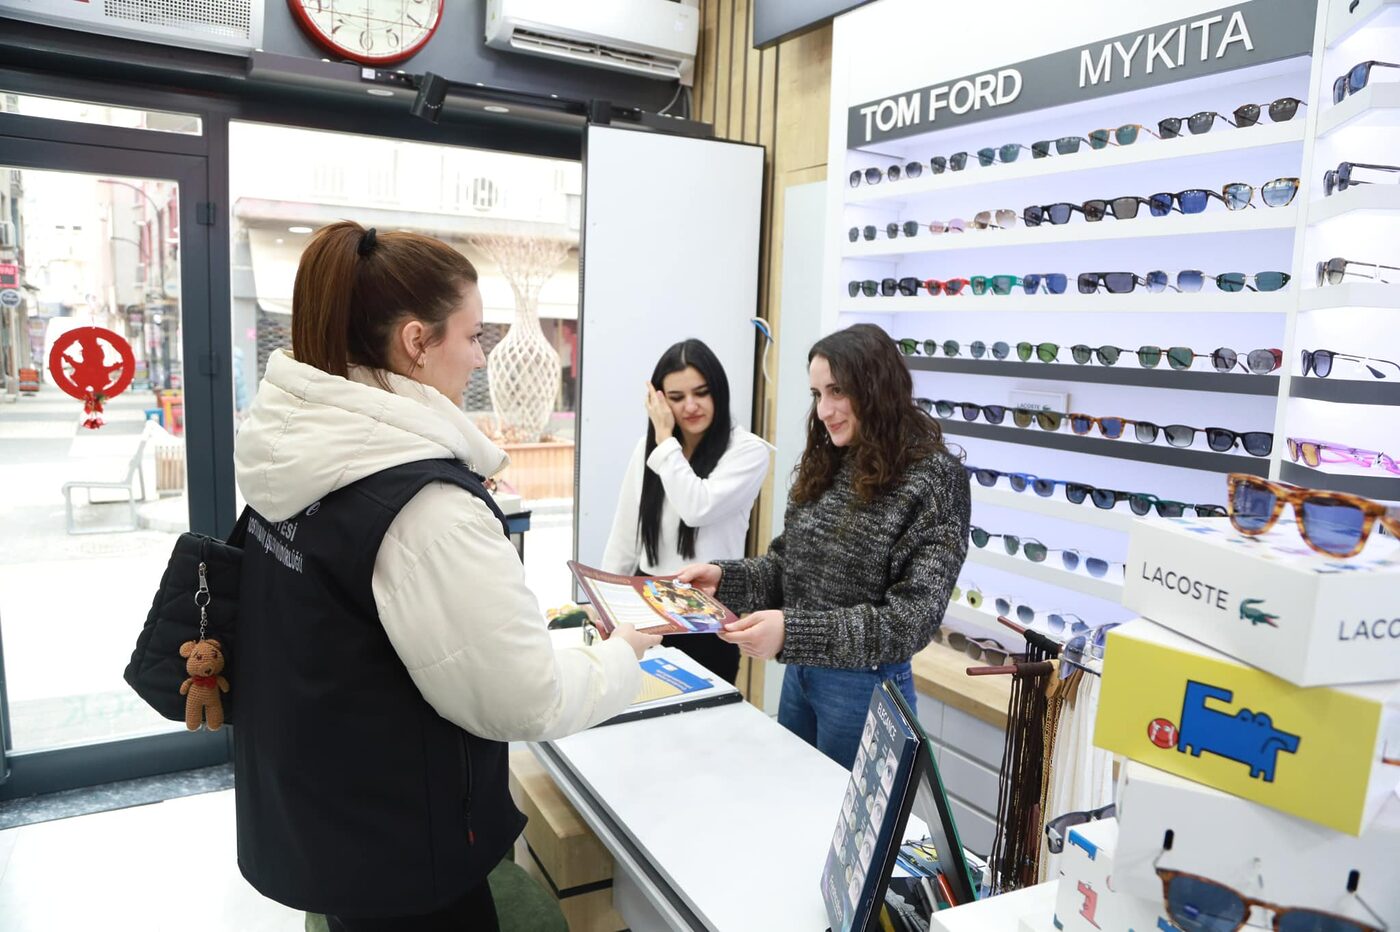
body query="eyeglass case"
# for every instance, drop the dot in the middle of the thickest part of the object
(1271, 601)
(1317, 753)
(1243, 845)
(1088, 898)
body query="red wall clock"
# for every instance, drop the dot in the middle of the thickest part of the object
(371, 32)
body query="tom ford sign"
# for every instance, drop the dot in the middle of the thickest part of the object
(1221, 40)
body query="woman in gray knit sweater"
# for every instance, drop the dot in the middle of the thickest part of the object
(874, 537)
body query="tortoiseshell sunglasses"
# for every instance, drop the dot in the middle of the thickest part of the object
(1332, 523)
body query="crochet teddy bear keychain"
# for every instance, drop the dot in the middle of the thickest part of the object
(204, 661)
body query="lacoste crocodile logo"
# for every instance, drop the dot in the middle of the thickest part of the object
(1251, 612)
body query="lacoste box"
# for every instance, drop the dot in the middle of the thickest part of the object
(1271, 601)
(1278, 859)
(1327, 754)
(1089, 899)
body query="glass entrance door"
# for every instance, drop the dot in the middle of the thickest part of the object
(110, 281)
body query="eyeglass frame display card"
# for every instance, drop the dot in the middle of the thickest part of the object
(894, 730)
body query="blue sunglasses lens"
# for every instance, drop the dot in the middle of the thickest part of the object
(1044, 487)
(1096, 567)
(1357, 77)
(1251, 506)
(1190, 280)
(1200, 906)
(1159, 205)
(1192, 202)
(1333, 527)
(1056, 282)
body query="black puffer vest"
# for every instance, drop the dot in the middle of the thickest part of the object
(354, 796)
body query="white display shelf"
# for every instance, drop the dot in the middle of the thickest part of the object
(1146, 149)
(1357, 294)
(1343, 23)
(1364, 198)
(1378, 105)
(1056, 575)
(1213, 222)
(1139, 302)
(1116, 519)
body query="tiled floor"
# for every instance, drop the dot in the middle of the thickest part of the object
(159, 868)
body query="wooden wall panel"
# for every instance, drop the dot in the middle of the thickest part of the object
(779, 99)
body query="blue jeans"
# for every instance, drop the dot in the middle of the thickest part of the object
(826, 707)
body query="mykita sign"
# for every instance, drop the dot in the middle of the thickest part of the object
(1209, 43)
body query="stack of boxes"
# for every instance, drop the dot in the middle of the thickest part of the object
(1257, 705)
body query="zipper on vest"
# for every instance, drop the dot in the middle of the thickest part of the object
(467, 803)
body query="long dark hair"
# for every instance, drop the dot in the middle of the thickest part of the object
(893, 433)
(351, 293)
(707, 452)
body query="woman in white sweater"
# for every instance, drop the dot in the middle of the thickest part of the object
(690, 485)
(382, 665)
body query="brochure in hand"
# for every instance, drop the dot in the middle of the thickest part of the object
(653, 604)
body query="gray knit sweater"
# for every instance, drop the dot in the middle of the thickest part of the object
(861, 585)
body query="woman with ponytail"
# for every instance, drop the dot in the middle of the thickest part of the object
(689, 487)
(388, 646)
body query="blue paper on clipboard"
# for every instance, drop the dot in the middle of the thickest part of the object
(672, 675)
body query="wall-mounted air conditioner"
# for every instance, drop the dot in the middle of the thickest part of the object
(213, 25)
(652, 38)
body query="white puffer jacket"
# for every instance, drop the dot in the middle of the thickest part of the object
(449, 586)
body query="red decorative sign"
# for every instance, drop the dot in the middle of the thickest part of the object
(81, 364)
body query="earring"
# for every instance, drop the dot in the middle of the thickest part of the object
(420, 361)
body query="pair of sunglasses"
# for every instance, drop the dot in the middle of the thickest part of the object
(1236, 195)
(1280, 111)
(1037, 552)
(1339, 178)
(1219, 439)
(1199, 904)
(1355, 80)
(1057, 829)
(993, 414)
(1319, 362)
(1190, 281)
(1057, 622)
(873, 176)
(977, 349)
(1223, 359)
(885, 287)
(1316, 452)
(1124, 135)
(982, 649)
(892, 229)
(1335, 271)
(1333, 523)
(1076, 492)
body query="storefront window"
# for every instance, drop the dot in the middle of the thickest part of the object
(82, 111)
(90, 512)
(286, 183)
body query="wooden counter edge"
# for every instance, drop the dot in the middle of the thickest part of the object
(939, 672)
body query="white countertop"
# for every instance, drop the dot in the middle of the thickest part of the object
(744, 852)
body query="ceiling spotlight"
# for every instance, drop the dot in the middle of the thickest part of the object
(432, 91)
(298, 229)
(379, 92)
(496, 108)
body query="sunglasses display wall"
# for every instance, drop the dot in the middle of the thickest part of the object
(1172, 307)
